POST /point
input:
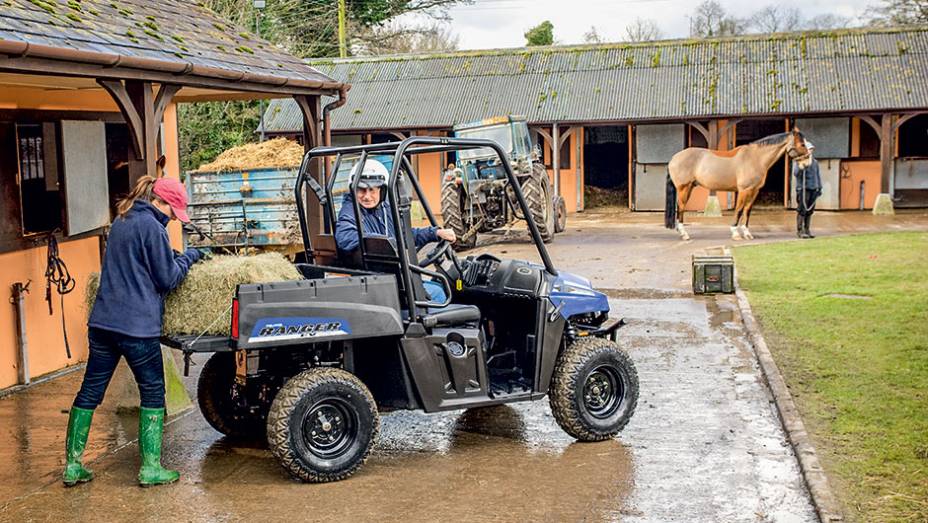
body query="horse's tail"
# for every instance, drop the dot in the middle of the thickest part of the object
(670, 205)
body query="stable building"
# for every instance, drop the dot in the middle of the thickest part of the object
(88, 103)
(612, 115)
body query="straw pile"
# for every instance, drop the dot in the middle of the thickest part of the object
(201, 303)
(279, 152)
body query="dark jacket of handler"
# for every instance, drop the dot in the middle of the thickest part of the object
(808, 183)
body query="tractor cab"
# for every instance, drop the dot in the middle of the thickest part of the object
(511, 133)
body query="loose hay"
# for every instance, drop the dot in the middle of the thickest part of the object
(201, 303)
(279, 152)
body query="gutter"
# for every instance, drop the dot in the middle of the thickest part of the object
(18, 49)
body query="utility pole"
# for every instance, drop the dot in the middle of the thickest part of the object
(342, 38)
(259, 5)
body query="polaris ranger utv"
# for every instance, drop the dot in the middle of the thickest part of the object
(311, 363)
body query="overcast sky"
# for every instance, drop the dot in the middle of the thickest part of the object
(489, 24)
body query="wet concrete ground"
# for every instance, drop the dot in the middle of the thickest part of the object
(704, 445)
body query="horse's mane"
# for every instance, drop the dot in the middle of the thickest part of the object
(773, 139)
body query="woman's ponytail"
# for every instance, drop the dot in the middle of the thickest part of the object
(142, 189)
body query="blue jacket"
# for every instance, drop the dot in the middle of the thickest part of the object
(139, 269)
(377, 222)
(808, 178)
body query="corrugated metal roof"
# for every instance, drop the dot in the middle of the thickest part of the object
(794, 73)
(177, 31)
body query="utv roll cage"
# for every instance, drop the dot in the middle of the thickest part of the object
(399, 202)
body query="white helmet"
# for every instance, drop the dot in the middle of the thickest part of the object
(375, 174)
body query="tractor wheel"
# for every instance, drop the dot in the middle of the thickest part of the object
(214, 395)
(537, 194)
(560, 213)
(322, 425)
(453, 217)
(594, 389)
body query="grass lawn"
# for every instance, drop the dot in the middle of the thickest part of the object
(847, 321)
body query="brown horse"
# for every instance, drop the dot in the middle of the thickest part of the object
(743, 169)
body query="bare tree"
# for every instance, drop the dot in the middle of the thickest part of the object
(899, 12)
(642, 30)
(710, 19)
(776, 19)
(592, 36)
(395, 38)
(827, 21)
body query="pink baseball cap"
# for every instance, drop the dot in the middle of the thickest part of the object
(174, 194)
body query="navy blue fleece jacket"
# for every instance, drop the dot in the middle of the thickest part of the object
(377, 222)
(139, 269)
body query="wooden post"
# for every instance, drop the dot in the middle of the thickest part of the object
(312, 137)
(884, 200)
(556, 157)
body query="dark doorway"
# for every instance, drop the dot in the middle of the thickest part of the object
(746, 132)
(117, 163)
(605, 165)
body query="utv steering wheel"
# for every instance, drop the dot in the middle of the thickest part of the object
(434, 255)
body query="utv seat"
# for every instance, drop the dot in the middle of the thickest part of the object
(453, 315)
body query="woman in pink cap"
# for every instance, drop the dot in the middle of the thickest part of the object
(139, 269)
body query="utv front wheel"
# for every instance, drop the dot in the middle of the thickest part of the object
(322, 425)
(594, 390)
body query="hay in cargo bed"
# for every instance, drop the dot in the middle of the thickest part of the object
(202, 302)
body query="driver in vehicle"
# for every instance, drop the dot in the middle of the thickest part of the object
(377, 219)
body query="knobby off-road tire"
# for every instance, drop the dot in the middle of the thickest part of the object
(452, 215)
(560, 214)
(214, 395)
(594, 390)
(536, 190)
(322, 425)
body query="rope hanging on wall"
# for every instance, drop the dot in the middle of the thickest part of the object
(57, 275)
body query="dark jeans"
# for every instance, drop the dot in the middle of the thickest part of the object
(143, 356)
(805, 200)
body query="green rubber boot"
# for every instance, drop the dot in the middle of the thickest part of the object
(151, 427)
(75, 442)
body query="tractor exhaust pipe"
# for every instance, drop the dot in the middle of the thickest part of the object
(18, 299)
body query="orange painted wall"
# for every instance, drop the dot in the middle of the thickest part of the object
(429, 168)
(43, 332)
(568, 175)
(852, 173)
(172, 164)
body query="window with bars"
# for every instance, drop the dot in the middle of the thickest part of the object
(40, 198)
(31, 164)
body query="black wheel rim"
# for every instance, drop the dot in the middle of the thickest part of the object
(603, 392)
(330, 428)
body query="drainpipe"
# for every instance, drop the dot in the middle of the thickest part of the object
(326, 123)
(19, 292)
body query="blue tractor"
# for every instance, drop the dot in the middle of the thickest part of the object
(476, 195)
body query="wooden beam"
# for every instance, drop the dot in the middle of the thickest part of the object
(905, 118)
(143, 101)
(556, 157)
(871, 122)
(118, 92)
(702, 130)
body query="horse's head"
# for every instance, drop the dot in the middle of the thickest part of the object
(159, 167)
(796, 144)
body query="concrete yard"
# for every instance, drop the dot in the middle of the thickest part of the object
(704, 445)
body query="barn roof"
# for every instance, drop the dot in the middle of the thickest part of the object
(790, 73)
(179, 37)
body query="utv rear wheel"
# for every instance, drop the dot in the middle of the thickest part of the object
(221, 410)
(322, 425)
(451, 212)
(594, 390)
(536, 190)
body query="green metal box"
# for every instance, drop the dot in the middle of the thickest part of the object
(713, 273)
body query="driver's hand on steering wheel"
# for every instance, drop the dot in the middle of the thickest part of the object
(447, 235)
